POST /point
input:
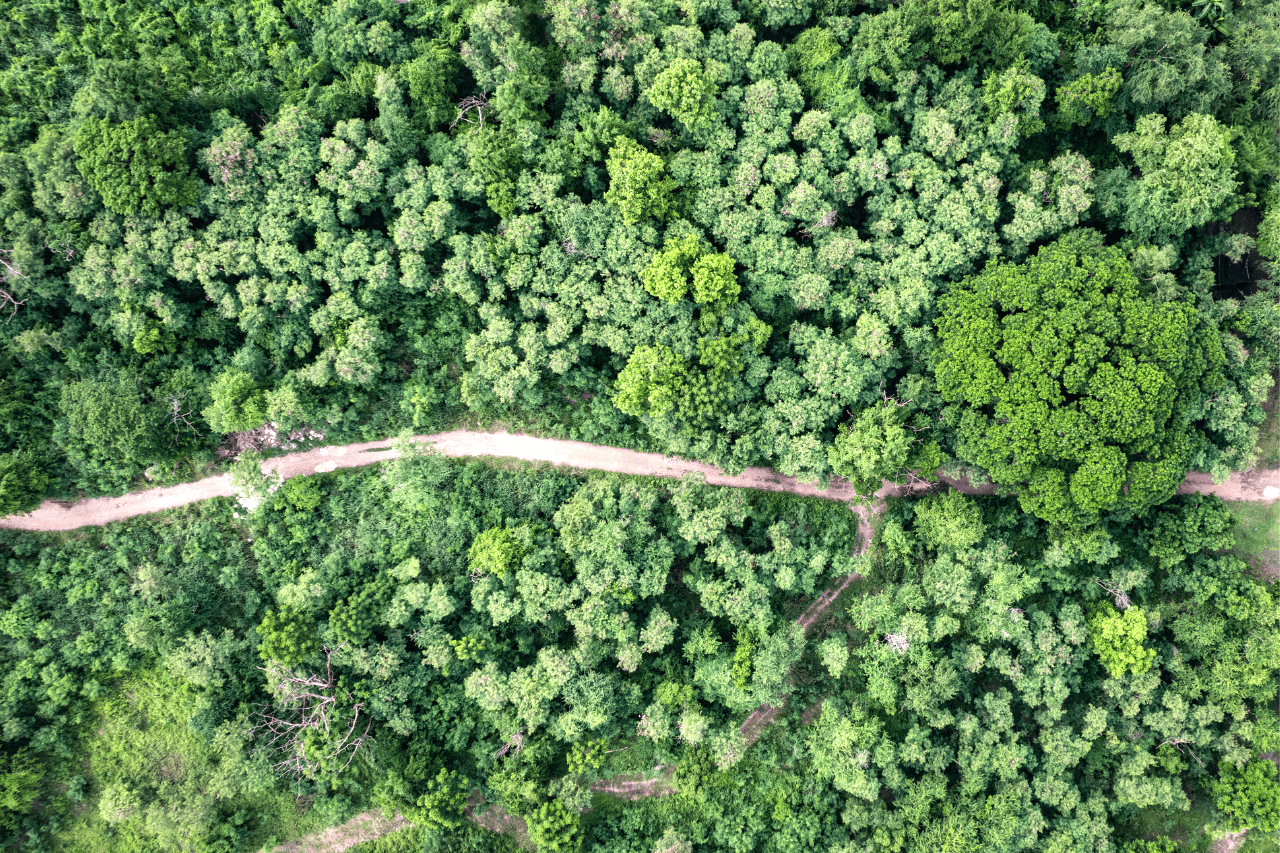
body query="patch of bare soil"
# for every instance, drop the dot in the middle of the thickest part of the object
(1229, 843)
(363, 827)
(635, 786)
(1267, 566)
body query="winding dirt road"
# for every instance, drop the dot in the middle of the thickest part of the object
(60, 515)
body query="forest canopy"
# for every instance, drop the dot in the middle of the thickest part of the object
(721, 231)
(1033, 245)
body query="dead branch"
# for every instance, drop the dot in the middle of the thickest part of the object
(516, 742)
(478, 102)
(178, 418)
(7, 301)
(64, 248)
(305, 704)
(10, 270)
(1121, 599)
(894, 400)
(1178, 743)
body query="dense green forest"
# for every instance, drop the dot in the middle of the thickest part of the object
(1033, 242)
(822, 236)
(211, 679)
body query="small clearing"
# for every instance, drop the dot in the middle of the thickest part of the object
(365, 826)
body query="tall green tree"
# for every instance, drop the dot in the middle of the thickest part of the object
(1068, 384)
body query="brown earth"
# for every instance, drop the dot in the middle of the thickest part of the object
(635, 786)
(59, 515)
(363, 827)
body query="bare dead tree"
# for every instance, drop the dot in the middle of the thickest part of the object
(10, 270)
(514, 744)
(1121, 598)
(7, 301)
(307, 704)
(179, 418)
(63, 248)
(479, 103)
(894, 400)
(1178, 744)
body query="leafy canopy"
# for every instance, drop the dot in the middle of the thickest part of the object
(135, 167)
(1069, 383)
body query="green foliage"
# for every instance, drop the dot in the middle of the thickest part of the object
(1087, 98)
(696, 773)
(950, 521)
(683, 92)
(1015, 91)
(880, 445)
(667, 275)
(553, 828)
(22, 483)
(108, 429)
(650, 382)
(637, 188)
(835, 655)
(1159, 845)
(355, 619)
(1118, 639)
(441, 804)
(744, 652)
(21, 781)
(418, 215)
(134, 166)
(495, 552)
(286, 636)
(1070, 384)
(583, 757)
(1187, 177)
(1249, 796)
(714, 281)
(238, 403)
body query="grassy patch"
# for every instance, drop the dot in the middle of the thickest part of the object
(149, 782)
(1258, 842)
(1257, 533)
(465, 839)
(1269, 432)
(1184, 827)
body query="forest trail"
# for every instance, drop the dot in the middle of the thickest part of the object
(61, 515)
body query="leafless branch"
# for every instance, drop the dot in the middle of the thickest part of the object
(10, 270)
(7, 301)
(1121, 599)
(1178, 744)
(310, 703)
(516, 742)
(894, 400)
(478, 102)
(64, 248)
(179, 418)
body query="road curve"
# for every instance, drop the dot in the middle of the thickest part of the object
(61, 515)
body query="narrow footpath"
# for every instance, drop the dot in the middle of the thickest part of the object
(60, 515)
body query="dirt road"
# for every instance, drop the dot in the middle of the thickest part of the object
(58, 515)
